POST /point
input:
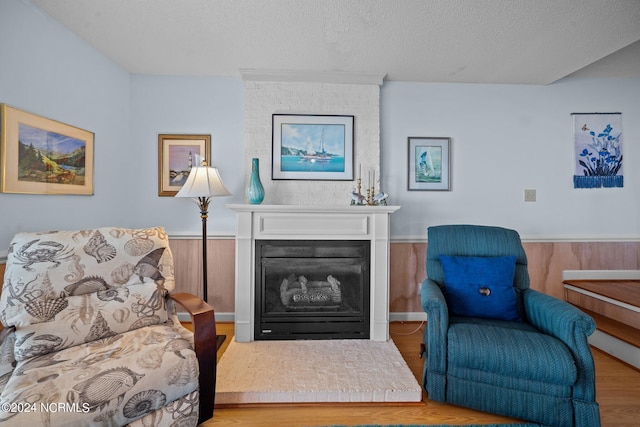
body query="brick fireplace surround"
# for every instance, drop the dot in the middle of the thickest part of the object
(311, 222)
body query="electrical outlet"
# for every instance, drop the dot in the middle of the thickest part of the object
(529, 195)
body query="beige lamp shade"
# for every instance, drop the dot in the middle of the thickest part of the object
(203, 181)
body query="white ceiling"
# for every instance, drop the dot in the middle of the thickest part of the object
(470, 41)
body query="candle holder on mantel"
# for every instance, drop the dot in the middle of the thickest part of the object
(371, 198)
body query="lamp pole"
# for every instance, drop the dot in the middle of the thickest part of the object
(203, 203)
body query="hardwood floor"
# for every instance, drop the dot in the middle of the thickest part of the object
(618, 393)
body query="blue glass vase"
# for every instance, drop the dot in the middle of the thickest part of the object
(255, 190)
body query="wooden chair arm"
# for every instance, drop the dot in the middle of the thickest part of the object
(204, 337)
(194, 304)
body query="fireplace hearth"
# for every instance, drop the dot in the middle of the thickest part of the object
(312, 289)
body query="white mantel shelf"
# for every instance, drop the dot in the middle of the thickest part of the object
(311, 222)
(313, 208)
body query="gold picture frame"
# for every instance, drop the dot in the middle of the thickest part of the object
(43, 156)
(176, 155)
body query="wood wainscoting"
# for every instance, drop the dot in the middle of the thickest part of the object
(547, 260)
(221, 276)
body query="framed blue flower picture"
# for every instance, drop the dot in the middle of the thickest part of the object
(598, 150)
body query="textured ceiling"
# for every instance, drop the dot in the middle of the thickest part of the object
(474, 41)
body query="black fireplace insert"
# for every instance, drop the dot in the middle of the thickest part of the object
(312, 289)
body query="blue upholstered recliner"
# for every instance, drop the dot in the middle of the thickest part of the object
(534, 364)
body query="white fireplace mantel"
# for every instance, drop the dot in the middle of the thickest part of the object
(311, 222)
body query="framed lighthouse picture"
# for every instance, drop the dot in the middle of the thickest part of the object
(312, 147)
(176, 155)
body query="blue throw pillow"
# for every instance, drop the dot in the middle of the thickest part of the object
(480, 286)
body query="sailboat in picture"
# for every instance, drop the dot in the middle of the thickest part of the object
(314, 156)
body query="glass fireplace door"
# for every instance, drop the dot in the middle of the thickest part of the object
(312, 289)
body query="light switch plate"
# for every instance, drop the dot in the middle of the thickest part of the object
(529, 195)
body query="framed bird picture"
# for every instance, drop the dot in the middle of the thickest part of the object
(429, 163)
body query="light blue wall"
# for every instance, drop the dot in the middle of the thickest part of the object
(48, 71)
(186, 105)
(505, 138)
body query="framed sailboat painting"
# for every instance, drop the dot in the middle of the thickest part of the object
(312, 147)
(429, 163)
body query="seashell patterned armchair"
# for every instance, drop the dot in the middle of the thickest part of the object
(91, 336)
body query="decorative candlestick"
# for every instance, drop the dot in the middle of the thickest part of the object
(373, 184)
(369, 198)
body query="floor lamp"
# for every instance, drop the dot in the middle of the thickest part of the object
(202, 184)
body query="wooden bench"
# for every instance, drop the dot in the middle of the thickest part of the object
(612, 298)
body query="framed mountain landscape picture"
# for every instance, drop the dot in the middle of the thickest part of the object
(43, 156)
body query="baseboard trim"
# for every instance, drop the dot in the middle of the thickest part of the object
(220, 317)
(393, 317)
(407, 317)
